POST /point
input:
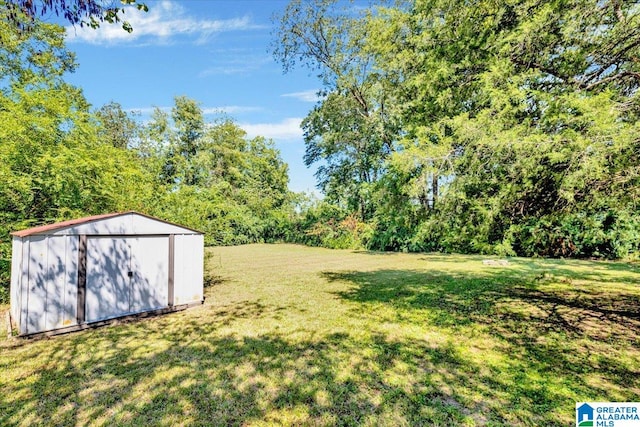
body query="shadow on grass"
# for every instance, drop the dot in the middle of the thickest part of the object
(459, 299)
(545, 341)
(186, 376)
(549, 331)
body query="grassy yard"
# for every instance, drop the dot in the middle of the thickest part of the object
(296, 335)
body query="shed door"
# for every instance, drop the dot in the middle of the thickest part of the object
(125, 275)
(150, 278)
(108, 284)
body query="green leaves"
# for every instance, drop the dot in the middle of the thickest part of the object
(127, 27)
(485, 120)
(77, 12)
(350, 131)
(212, 177)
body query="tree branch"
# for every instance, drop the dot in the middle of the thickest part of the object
(610, 79)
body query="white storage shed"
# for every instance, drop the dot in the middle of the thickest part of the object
(84, 272)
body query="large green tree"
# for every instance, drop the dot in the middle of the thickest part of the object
(531, 107)
(51, 161)
(349, 133)
(514, 124)
(215, 178)
(118, 127)
(53, 164)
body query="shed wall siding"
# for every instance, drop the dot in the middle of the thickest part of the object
(24, 286)
(52, 283)
(55, 279)
(37, 287)
(189, 256)
(70, 304)
(16, 276)
(144, 225)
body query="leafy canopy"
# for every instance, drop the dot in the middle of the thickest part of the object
(77, 12)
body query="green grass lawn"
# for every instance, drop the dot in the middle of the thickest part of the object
(297, 335)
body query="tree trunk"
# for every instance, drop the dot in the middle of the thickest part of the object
(434, 189)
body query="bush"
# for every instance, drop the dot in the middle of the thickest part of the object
(338, 234)
(5, 271)
(606, 234)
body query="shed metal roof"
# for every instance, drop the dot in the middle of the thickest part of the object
(43, 229)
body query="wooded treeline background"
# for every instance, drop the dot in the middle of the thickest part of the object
(477, 127)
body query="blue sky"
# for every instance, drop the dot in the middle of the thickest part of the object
(214, 51)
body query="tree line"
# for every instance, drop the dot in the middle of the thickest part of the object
(477, 127)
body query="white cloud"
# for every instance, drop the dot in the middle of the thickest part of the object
(287, 129)
(310, 95)
(164, 20)
(236, 64)
(227, 70)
